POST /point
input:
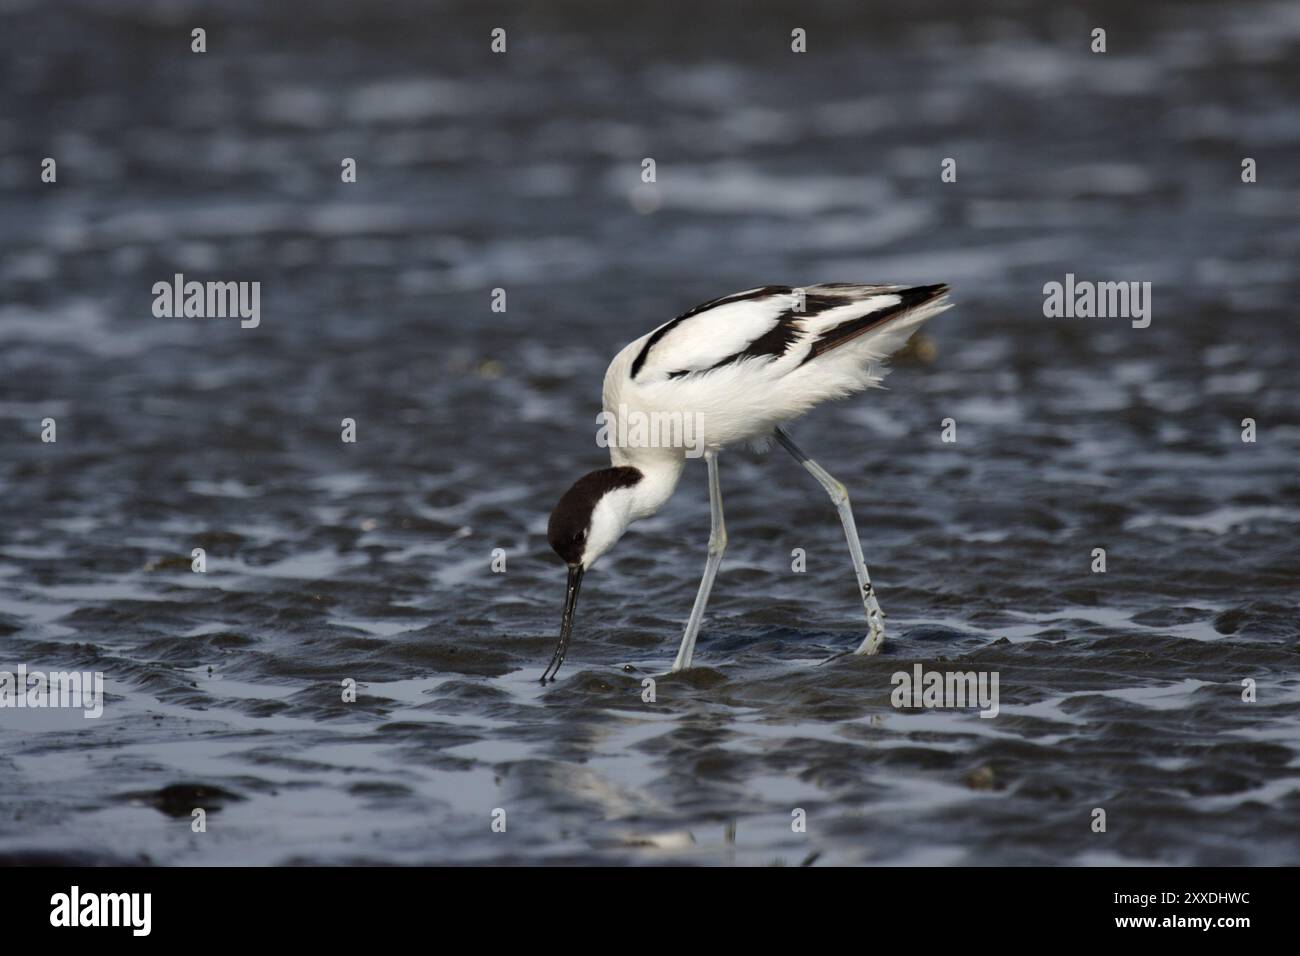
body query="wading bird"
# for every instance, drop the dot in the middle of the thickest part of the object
(742, 366)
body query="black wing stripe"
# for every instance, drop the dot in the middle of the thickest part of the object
(703, 307)
(777, 340)
(773, 343)
(850, 330)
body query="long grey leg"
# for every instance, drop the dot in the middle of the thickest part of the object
(717, 544)
(840, 497)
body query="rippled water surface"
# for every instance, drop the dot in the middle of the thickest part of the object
(372, 561)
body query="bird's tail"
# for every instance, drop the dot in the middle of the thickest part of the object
(895, 313)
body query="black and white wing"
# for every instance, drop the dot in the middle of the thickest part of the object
(771, 324)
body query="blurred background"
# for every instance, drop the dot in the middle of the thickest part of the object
(522, 171)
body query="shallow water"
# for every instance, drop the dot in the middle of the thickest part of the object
(372, 561)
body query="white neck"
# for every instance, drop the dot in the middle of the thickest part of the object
(660, 476)
(619, 508)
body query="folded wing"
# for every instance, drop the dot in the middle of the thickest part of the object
(772, 324)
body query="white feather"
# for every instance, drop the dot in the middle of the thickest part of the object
(744, 401)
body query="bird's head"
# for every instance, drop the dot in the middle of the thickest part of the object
(588, 521)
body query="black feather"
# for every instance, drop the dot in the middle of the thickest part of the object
(663, 330)
(848, 331)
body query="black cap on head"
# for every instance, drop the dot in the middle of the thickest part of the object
(571, 520)
(569, 531)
